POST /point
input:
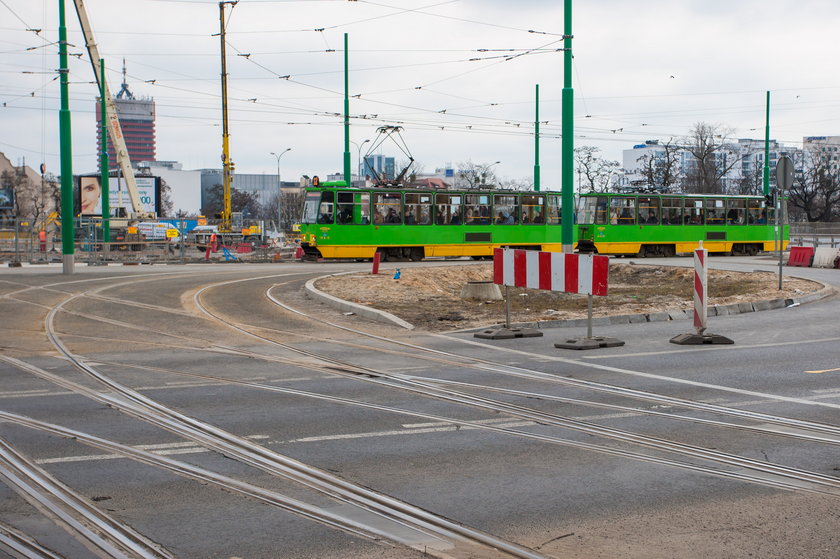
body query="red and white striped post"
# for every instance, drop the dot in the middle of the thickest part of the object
(701, 275)
(701, 305)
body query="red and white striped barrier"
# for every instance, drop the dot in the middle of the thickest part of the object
(700, 292)
(551, 271)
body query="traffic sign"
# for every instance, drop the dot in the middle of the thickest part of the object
(784, 173)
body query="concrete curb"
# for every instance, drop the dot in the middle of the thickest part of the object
(678, 314)
(346, 306)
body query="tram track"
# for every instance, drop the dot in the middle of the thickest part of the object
(247, 452)
(100, 533)
(788, 478)
(19, 544)
(427, 387)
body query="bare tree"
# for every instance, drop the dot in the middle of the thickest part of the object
(661, 170)
(751, 183)
(167, 205)
(475, 175)
(524, 184)
(595, 174)
(35, 197)
(816, 190)
(290, 208)
(712, 159)
(240, 201)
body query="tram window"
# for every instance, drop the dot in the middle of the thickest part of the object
(622, 210)
(325, 210)
(754, 208)
(448, 209)
(553, 210)
(504, 207)
(672, 211)
(310, 207)
(533, 209)
(476, 209)
(736, 212)
(592, 209)
(649, 211)
(386, 208)
(693, 211)
(353, 208)
(715, 214)
(418, 208)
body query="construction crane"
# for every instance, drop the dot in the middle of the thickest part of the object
(114, 130)
(227, 165)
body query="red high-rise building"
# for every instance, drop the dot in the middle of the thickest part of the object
(137, 120)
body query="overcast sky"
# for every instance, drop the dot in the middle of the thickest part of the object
(458, 76)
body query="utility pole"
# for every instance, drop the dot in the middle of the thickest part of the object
(568, 147)
(67, 234)
(227, 165)
(103, 158)
(767, 146)
(346, 115)
(537, 140)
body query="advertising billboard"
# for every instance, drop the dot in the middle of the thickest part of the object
(7, 198)
(90, 196)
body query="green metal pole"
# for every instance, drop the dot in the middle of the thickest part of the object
(103, 158)
(567, 176)
(347, 175)
(537, 140)
(67, 236)
(767, 147)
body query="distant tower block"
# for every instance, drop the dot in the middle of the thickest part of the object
(137, 119)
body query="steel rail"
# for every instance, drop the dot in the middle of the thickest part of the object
(277, 464)
(19, 544)
(827, 481)
(521, 372)
(525, 413)
(103, 535)
(425, 388)
(203, 475)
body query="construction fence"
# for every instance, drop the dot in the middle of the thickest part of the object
(20, 243)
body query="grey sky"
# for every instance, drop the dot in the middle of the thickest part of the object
(413, 68)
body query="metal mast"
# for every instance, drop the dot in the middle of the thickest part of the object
(227, 165)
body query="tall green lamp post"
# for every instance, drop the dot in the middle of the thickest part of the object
(567, 176)
(67, 234)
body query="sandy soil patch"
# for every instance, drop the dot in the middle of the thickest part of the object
(430, 298)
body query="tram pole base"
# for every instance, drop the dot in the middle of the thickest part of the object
(700, 339)
(595, 342)
(508, 333)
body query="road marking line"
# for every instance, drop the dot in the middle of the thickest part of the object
(161, 449)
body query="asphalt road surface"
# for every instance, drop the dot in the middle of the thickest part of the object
(215, 411)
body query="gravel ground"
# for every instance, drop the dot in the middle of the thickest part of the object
(430, 298)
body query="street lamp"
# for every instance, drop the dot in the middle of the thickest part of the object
(359, 155)
(279, 185)
(278, 165)
(486, 171)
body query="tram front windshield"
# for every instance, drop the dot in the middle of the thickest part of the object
(310, 207)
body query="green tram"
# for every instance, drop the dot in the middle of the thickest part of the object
(668, 224)
(412, 224)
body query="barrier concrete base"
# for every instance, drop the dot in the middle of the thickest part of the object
(595, 342)
(700, 339)
(507, 333)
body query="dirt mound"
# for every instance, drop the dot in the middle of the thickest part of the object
(430, 298)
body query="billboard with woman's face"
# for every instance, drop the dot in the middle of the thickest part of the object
(7, 198)
(89, 196)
